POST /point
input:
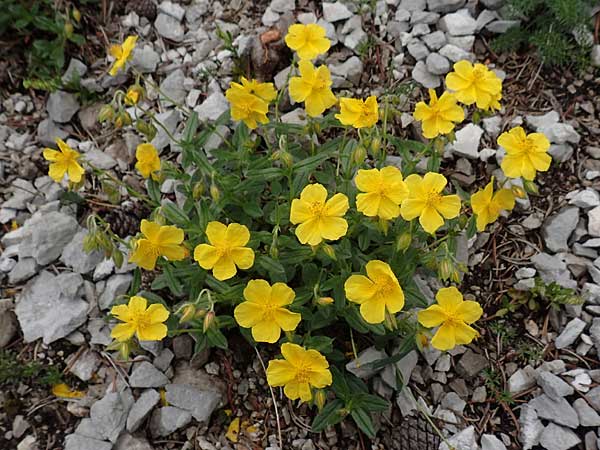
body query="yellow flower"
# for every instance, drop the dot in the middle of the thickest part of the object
(247, 107)
(425, 200)
(454, 315)
(226, 250)
(264, 91)
(140, 319)
(487, 205)
(159, 241)
(63, 390)
(148, 162)
(474, 84)
(313, 87)
(63, 161)
(376, 292)
(525, 153)
(384, 192)
(318, 217)
(438, 117)
(122, 54)
(298, 372)
(495, 103)
(358, 113)
(264, 310)
(308, 41)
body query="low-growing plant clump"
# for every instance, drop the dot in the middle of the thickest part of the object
(306, 236)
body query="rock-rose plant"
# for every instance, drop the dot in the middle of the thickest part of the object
(305, 238)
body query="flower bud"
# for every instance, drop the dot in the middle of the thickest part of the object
(198, 190)
(122, 347)
(76, 15)
(325, 301)
(68, 29)
(107, 112)
(320, 398)
(287, 159)
(209, 320)
(122, 119)
(403, 241)
(188, 312)
(531, 187)
(215, 193)
(421, 340)
(390, 321)
(359, 154)
(445, 269)
(518, 191)
(329, 251)
(274, 251)
(375, 145)
(146, 128)
(384, 226)
(201, 313)
(462, 221)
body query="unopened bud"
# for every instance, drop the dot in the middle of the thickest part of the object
(325, 301)
(287, 159)
(390, 321)
(359, 154)
(198, 190)
(445, 269)
(320, 399)
(518, 191)
(188, 313)
(76, 15)
(531, 187)
(329, 251)
(68, 29)
(209, 320)
(421, 340)
(122, 119)
(122, 347)
(274, 252)
(462, 221)
(146, 128)
(375, 145)
(215, 193)
(107, 112)
(403, 241)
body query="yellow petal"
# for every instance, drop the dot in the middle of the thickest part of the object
(282, 294)
(216, 233)
(153, 332)
(248, 314)
(150, 229)
(157, 313)
(266, 331)
(430, 219)
(295, 390)
(411, 208)
(237, 235)
(224, 268)
(233, 430)
(143, 254)
(121, 312)
(137, 305)
(368, 204)
(123, 332)
(64, 391)
(320, 378)
(333, 228)
(280, 372)
(314, 193)
(449, 298)
(243, 257)
(469, 311)
(206, 256)
(373, 310)
(293, 353)
(286, 320)
(464, 334)
(432, 316)
(434, 182)
(359, 288)
(368, 180)
(173, 252)
(505, 199)
(300, 211)
(449, 206)
(309, 232)
(445, 337)
(258, 291)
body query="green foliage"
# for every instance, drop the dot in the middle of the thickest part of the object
(550, 27)
(46, 32)
(13, 371)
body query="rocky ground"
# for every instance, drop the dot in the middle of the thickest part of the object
(531, 381)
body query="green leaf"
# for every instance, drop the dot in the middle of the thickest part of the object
(364, 422)
(172, 282)
(253, 210)
(371, 403)
(136, 283)
(175, 215)
(273, 267)
(322, 344)
(216, 338)
(329, 415)
(153, 190)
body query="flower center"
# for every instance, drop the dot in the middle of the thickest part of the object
(478, 74)
(432, 198)
(385, 286)
(303, 374)
(140, 321)
(223, 251)
(317, 209)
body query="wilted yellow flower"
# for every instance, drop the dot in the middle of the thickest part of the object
(146, 322)
(264, 91)
(454, 315)
(299, 371)
(63, 162)
(63, 390)
(308, 41)
(148, 162)
(425, 201)
(247, 107)
(525, 153)
(264, 310)
(487, 205)
(474, 84)
(384, 191)
(439, 116)
(227, 250)
(122, 54)
(159, 240)
(377, 292)
(134, 94)
(318, 217)
(358, 113)
(313, 87)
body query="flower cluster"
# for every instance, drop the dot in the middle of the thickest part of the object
(287, 232)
